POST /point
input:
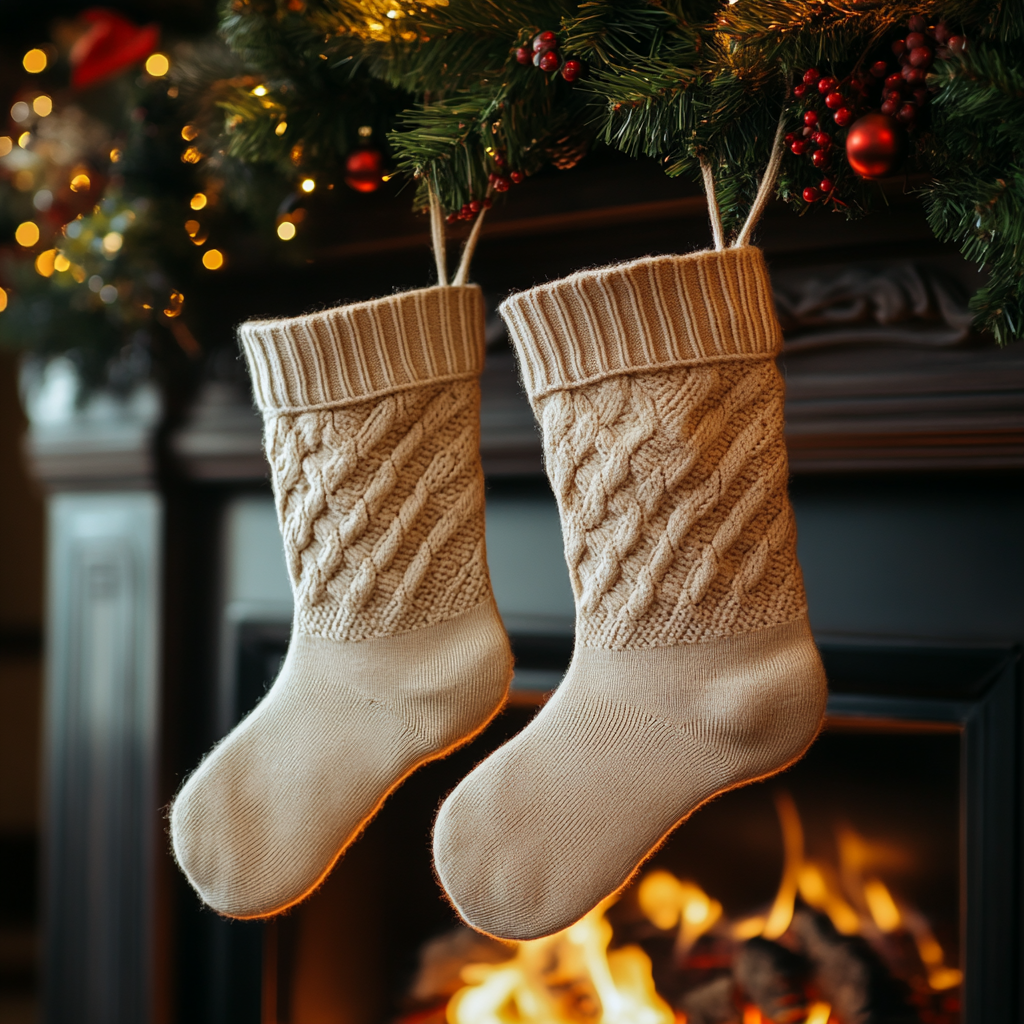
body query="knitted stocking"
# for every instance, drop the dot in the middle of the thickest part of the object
(694, 669)
(397, 652)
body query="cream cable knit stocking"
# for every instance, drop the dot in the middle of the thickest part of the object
(397, 651)
(694, 670)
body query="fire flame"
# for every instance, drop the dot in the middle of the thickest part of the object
(523, 990)
(572, 978)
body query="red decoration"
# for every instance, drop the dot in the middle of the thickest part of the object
(549, 61)
(523, 55)
(544, 41)
(500, 184)
(110, 44)
(879, 69)
(843, 116)
(811, 194)
(820, 159)
(798, 146)
(363, 169)
(571, 70)
(811, 75)
(826, 84)
(874, 145)
(516, 176)
(810, 118)
(799, 91)
(826, 185)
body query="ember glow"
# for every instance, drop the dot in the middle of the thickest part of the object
(809, 957)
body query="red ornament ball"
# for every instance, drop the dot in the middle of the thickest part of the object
(549, 61)
(811, 194)
(875, 145)
(843, 116)
(364, 168)
(571, 70)
(523, 55)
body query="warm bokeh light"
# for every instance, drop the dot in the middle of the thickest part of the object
(881, 905)
(6, 145)
(20, 111)
(45, 263)
(80, 183)
(365, 131)
(198, 201)
(3, 300)
(34, 61)
(191, 156)
(108, 294)
(286, 230)
(175, 301)
(27, 234)
(112, 242)
(307, 185)
(189, 132)
(43, 105)
(213, 259)
(260, 90)
(24, 139)
(157, 65)
(61, 263)
(116, 156)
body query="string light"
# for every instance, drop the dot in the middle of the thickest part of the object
(157, 65)
(189, 132)
(198, 201)
(307, 185)
(45, 263)
(112, 242)
(281, 128)
(213, 259)
(116, 156)
(260, 90)
(286, 230)
(43, 105)
(61, 263)
(174, 303)
(27, 234)
(3, 300)
(191, 156)
(365, 131)
(34, 61)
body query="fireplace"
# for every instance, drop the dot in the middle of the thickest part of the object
(874, 881)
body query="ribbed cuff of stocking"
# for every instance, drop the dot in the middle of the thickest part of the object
(352, 353)
(650, 314)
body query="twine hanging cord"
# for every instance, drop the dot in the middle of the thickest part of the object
(764, 193)
(437, 239)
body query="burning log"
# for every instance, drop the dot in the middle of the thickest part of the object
(443, 958)
(850, 975)
(772, 977)
(711, 1003)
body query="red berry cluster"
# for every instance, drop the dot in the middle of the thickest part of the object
(813, 140)
(904, 94)
(544, 55)
(469, 210)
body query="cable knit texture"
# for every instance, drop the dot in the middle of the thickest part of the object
(371, 418)
(694, 669)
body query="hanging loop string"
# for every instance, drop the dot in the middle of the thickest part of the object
(468, 249)
(437, 236)
(713, 212)
(764, 193)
